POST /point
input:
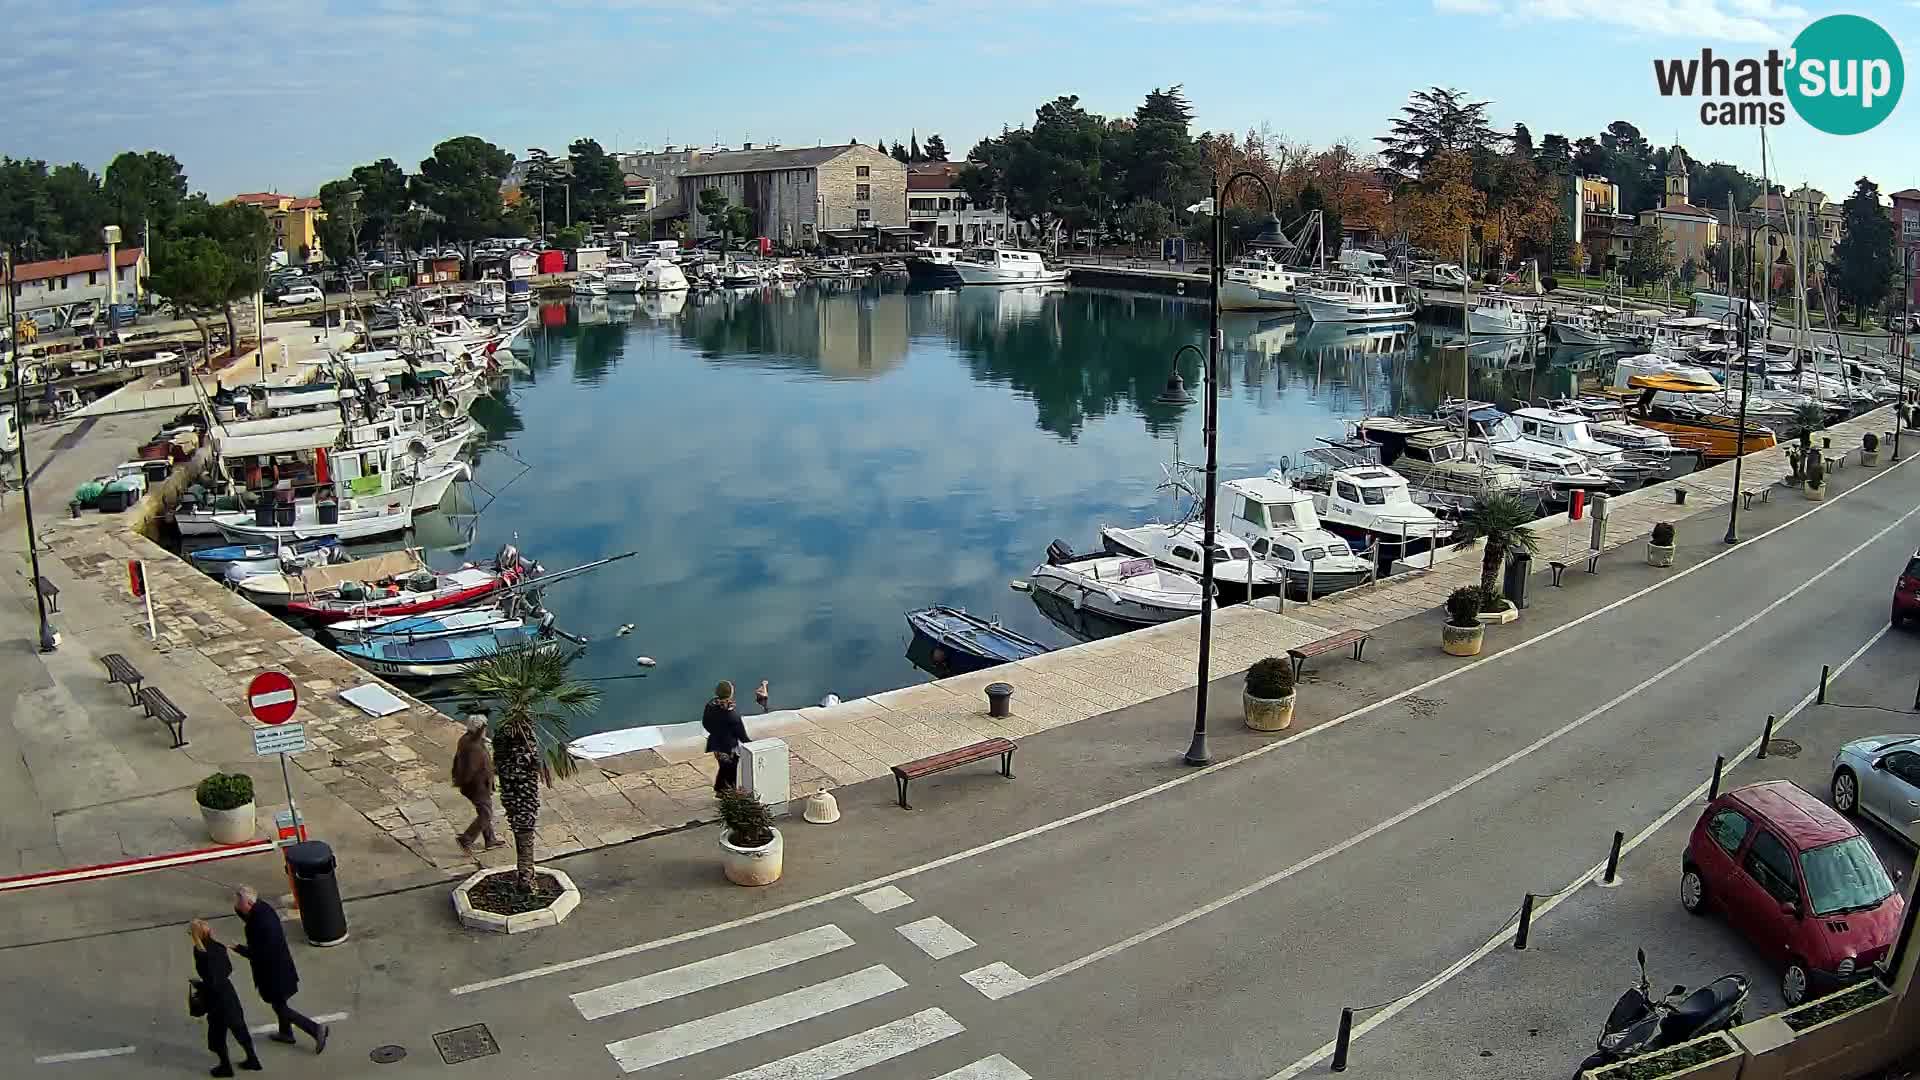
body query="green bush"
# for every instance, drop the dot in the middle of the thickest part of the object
(1270, 678)
(225, 791)
(1663, 534)
(1816, 472)
(747, 822)
(1463, 606)
(1870, 442)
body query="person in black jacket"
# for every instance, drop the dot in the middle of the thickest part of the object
(725, 733)
(218, 998)
(273, 972)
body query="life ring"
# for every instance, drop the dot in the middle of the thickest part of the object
(1179, 288)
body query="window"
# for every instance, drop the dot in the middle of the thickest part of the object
(1314, 554)
(1530, 428)
(1770, 864)
(1254, 512)
(862, 170)
(1905, 764)
(1226, 553)
(1846, 876)
(1729, 830)
(1181, 551)
(1347, 491)
(1284, 553)
(93, 277)
(1374, 496)
(863, 192)
(1260, 547)
(946, 204)
(864, 215)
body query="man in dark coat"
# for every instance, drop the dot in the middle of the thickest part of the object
(273, 971)
(725, 733)
(473, 775)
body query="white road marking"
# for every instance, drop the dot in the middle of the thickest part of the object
(84, 1055)
(996, 981)
(271, 697)
(855, 1052)
(884, 899)
(714, 971)
(936, 937)
(758, 1018)
(272, 1026)
(987, 1068)
(1184, 778)
(1693, 800)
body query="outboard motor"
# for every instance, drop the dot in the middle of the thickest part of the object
(1059, 552)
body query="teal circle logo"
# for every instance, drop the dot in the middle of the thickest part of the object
(1846, 75)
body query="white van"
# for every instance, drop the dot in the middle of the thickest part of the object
(1722, 308)
(1360, 261)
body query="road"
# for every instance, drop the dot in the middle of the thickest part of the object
(1111, 914)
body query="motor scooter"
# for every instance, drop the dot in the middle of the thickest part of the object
(1640, 1024)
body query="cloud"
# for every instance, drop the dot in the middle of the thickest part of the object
(1765, 22)
(1467, 7)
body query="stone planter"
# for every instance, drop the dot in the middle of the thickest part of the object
(1869, 459)
(1659, 554)
(233, 826)
(1840, 1045)
(1268, 714)
(1725, 1066)
(553, 914)
(1505, 615)
(752, 866)
(1462, 640)
(1815, 494)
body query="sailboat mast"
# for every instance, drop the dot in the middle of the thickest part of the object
(1466, 322)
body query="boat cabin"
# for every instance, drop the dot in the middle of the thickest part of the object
(1278, 521)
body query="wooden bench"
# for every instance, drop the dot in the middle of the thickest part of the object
(1764, 495)
(952, 759)
(1301, 653)
(120, 670)
(51, 591)
(162, 708)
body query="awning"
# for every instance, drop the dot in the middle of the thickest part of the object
(278, 442)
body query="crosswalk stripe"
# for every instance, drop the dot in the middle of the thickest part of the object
(936, 937)
(758, 1018)
(706, 974)
(856, 1052)
(987, 1068)
(885, 898)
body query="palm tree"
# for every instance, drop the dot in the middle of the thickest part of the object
(529, 696)
(1500, 518)
(1809, 418)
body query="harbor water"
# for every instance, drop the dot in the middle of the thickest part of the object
(799, 467)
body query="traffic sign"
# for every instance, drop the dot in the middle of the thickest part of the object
(272, 697)
(284, 739)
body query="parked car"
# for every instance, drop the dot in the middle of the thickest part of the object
(302, 294)
(1880, 777)
(1797, 880)
(1906, 592)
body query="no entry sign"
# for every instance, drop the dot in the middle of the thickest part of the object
(272, 697)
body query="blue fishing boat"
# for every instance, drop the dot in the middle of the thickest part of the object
(444, 655)
(949, 641)
(214, 560)
(432, 624)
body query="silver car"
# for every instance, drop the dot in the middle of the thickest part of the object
(1880, 777)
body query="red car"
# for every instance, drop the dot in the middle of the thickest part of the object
(1798, 880)
(1906, 592)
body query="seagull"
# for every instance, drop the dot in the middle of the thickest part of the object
(625, 629)
(645, 661)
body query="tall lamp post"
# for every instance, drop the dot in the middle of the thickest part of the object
(48, 640)
(1746, 372)
(1906, 345)
(1197, 753)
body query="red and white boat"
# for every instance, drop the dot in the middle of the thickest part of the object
(413, 593)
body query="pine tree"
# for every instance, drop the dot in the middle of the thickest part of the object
(900, 154)
(936, 148)
(913, 148)
(1862, 263)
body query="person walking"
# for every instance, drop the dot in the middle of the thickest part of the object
(273, 971)
(214, 997)
(473, 775)
(725, 733)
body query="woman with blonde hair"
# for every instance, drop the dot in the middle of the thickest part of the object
(725, 733)
(215, 996)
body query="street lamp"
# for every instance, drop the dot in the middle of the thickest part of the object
(1906, 345)
(1746, 374)
(1197, 752)
(48, 639)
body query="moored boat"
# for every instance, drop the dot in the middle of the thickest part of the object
(955, 642)
(1121, 589)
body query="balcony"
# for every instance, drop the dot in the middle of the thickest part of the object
(914, 214)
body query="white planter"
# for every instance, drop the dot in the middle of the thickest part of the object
(1815, 494)
(1659, 554)
(752, 866)
(1462, 640)
(1869, 459)
(1268, 714)
(1505, 615)
(553, 914)
(233, 826)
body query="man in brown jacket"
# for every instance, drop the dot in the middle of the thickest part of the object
(473, 775)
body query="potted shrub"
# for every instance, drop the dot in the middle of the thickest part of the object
(1816, 478)
(1269, 695)
(1869, 450)
(751, 849)
(1660, 545)
(226, 805)
(1463, 633)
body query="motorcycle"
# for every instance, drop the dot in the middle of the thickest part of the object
(1640, 1024)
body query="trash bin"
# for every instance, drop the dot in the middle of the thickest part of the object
(329, 513)
(999, 699)
(283, 514)
(1519, 565)
(318, 892)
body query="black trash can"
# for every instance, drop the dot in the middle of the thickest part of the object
(263, 513)
(283, 514)
(1519, 566)
(329, 513)
(318, 892)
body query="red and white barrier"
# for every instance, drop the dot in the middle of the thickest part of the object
(135, 866)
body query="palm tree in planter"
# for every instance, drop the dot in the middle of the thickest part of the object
(1499, 518)
(530, 696)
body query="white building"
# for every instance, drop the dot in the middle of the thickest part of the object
(941, 214)
(66, 283)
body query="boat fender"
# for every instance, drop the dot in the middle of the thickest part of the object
(1180, 288)
(645, 661)
(1113, 596)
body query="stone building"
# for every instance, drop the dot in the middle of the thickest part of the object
(941, 214)
(843, 197)
(1692, 229)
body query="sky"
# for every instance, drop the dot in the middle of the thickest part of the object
(280, 95)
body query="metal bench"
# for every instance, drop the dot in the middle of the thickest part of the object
(1300, 654)
(51, 591)
(1593, 560)
(161, 708)
(1764, 495)
(120, 670)
(953, 759)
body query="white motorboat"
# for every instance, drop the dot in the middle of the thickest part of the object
(1258, 283)
(1126, 589)
(1560, 469)
(1004, 266)
(1679, 339)
(589, 283)
(933, 266)
(349, 519)
(1570, 430)
(1607, 421)
(1582, 329)
(623, 280)
(1373, 504)
(662, 276)
(1355, 299)
(1446, 471)
(1494, 315)
(1238, 574)
(1278, 522)
(836, 267)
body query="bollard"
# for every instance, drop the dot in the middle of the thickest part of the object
(1713, 791)
(1916, 699)
(1613, 859)
(999, 700)
(1526, 922)
(1826, 672)
(1679, 496)
(1766, 737)
(1341, 1040)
